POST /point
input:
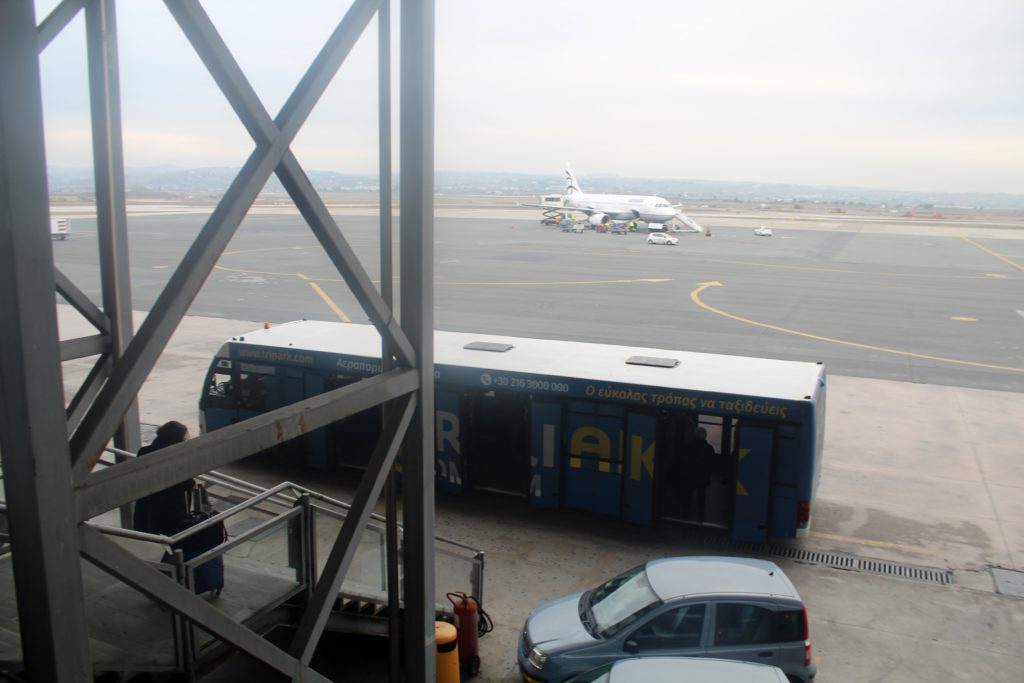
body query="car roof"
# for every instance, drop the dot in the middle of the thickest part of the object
(703, 575)
(692, 670)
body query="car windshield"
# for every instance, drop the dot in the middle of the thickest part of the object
(619, 602)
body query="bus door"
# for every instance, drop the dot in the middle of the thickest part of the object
(545, 445)
(785, 481)
(257, 390)
(219, 402)
(496, 441)
(350, 442)
(593, 464)
(448, 460)
(317, 455)
(293, 390)
(753, 483)
(638, 487)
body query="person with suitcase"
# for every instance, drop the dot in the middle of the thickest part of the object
(164, 512)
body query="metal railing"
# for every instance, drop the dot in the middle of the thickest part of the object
(274, 539)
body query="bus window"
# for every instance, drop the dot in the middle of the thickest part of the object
(219, 391)
(252, 394)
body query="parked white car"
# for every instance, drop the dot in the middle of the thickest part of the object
(763, 231)
(662, 238)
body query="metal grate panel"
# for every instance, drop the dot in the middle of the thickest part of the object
(838, 560)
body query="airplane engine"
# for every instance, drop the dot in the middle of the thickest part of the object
(597, 219)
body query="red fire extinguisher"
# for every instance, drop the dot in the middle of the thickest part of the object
(466, 611)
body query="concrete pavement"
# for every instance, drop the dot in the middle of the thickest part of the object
(925, 474)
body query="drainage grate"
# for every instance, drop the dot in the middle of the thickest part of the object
(838, 560)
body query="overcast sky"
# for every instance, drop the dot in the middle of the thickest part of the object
(911, 95)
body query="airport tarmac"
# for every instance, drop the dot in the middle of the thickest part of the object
(923, 430)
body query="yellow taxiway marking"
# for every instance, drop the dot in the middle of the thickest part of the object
(997, 255)
(920, 550)
(452, 284)
(695, 297)
(964, 319)
(841, 271)
(327, 300)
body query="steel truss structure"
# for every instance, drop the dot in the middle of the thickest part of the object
(50, 449)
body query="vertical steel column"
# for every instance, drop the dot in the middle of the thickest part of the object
(33, 427)
(111, 215)
(387, 353)
(417, 311)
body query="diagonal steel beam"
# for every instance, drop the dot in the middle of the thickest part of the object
(83, 347)
(112, 558)
(142, 353)
(307, 635)
(210, 47)
(87, 390)
(81, 303)
(56, 20)
(125, 482)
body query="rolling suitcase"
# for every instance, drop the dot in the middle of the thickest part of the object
(209, 576)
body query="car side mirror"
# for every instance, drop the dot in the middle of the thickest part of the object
(632, 647)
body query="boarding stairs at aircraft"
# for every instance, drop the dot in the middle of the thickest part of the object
(278, 540)
(689, 225)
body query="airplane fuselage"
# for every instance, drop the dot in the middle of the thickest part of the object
(623, 207)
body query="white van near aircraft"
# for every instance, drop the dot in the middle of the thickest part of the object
(60, 228)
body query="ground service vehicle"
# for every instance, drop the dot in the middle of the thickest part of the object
(722, 607)
(589, 427)
(60, 228)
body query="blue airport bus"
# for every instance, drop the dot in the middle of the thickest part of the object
(610, 430)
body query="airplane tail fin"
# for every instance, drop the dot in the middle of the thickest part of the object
(571, 185)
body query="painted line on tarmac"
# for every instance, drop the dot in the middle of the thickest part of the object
(254, 272)
(253, 251)
(327, 300)
(560, 282)
(439, 282)
(841, 271)
(695, 297)
(920, 550)
(993, 253)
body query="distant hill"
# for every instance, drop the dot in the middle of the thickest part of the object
(176, 181)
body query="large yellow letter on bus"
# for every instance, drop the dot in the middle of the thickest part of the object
(590, 440)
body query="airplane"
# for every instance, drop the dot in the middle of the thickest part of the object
(603, 208)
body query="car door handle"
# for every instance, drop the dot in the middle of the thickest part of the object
(769, 653)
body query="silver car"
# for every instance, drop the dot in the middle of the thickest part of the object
(722, 607)
(662, 238)
(676, 669)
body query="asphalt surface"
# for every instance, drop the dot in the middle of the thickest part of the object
(918, 324)
(928, 308)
